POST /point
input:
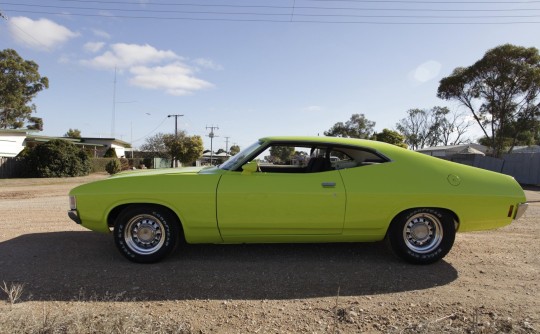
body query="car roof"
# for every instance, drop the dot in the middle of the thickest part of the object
(328, 140)
(392, 152)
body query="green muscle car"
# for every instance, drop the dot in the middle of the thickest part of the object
(301, 189)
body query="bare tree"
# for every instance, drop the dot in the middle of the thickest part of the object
(432, 127)
(453, 128)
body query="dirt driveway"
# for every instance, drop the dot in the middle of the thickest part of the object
(488, 283)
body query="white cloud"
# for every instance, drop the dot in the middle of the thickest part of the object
(313, 109)
(150, 68)
(123, 55)
(208, 63)
(42, 34)
(101, 33)
(93, 47)
(426, 71)
(176, 79)
(65, 59)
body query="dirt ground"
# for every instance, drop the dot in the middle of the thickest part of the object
(488, 283)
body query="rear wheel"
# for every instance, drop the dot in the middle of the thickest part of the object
(422, 236)
(145, 233)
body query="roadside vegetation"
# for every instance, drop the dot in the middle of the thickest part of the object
(114, 315)
(56, 158)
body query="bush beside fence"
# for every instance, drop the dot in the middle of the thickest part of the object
(98, 164)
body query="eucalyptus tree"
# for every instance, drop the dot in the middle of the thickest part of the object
(501, 90)
(20, 82)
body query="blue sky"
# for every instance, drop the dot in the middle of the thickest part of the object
(283, 67)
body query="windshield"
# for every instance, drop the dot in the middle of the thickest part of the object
(239, 158)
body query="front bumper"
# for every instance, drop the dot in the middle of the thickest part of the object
(73, 215)
(522, 207)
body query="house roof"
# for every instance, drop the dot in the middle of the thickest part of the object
(113, 140)
(4, 131)
(84, 141)
(454, 148)
(471, 150)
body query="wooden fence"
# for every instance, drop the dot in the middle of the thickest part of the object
(8, 167)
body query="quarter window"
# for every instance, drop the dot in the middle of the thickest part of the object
(290, 158)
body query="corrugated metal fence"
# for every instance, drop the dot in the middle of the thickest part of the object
(524, 167)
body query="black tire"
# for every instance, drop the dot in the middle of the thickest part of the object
(422, 236)
(146, 233)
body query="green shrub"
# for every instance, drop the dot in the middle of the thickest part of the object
(110, 153)
(99, 164)
(113, 166)
(56, 158)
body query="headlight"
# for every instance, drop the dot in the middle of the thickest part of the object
(72, 202)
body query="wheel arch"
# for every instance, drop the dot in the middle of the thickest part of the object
(449, 212)
(113, 214)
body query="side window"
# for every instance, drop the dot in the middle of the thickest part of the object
(346, 157)
(284, 158)
(290, 158)
(341, 160)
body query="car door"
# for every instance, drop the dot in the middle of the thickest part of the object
(280, 204)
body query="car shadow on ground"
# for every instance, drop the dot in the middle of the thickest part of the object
(86, 266)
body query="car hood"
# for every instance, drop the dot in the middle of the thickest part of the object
(164, 171)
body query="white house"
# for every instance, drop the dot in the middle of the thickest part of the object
(121, 147)
(12, 142)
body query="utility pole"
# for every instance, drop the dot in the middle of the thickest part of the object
(212, 135)
(227, 145)
(175, 132)
(175, 124)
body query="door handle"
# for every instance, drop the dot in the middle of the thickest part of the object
(328, 184)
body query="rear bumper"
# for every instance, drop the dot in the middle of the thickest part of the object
(73, 215)
(522, 207)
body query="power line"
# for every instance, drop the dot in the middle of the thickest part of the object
(307, 21)
(322, 1)
(422, 2)
(300, 14)
(5, 17)
(318, 15)
(149, 133)
(289, 10)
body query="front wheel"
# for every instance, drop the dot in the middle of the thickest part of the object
(422, 236)
(145, 233)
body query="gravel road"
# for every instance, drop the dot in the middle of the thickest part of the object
(488, 283)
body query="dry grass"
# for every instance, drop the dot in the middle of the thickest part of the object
(13, 291)
(85, 318)
(121, 317)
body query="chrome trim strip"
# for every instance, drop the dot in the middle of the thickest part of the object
(522, 207)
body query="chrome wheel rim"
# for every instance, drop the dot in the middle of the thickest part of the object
(423, 233)
(144, 234)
